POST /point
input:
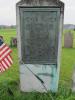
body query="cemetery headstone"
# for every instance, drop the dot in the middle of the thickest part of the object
(68, 40)
(39, 28)
(73, 81)
(13, 42)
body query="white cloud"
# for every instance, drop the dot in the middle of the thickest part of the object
(69, 15)
(8, 12)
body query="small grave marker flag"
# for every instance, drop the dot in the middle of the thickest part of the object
(5, 57)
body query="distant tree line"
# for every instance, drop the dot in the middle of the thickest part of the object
(66, 27)
(6, 26)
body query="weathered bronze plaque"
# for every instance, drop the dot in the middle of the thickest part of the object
(39, 36)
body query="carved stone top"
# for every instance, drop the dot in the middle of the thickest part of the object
(40, 1)
(50, 3)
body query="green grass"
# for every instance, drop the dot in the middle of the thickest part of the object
(7, 34)
(67, 63)
(10, 78)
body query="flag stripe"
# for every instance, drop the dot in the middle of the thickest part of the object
(5, 54)
(2, 46)
(7, 62)
(4, 51)
(3, 66)
(5, 57)
(10, 59)
(3, 69)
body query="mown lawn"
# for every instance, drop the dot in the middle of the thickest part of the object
(10, 78)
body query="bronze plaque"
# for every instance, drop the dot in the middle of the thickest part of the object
(39, 37)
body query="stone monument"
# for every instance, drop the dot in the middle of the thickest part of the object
(39, 28)
(68, 40)
(13, 42)
(73, 80)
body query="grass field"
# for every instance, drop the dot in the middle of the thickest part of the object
(10, 78)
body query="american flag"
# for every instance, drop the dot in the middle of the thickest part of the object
(5, 57)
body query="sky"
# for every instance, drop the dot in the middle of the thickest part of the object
(8, 12)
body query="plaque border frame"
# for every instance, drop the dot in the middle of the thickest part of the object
(48, 9)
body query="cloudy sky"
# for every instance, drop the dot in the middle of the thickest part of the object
(8, 12)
